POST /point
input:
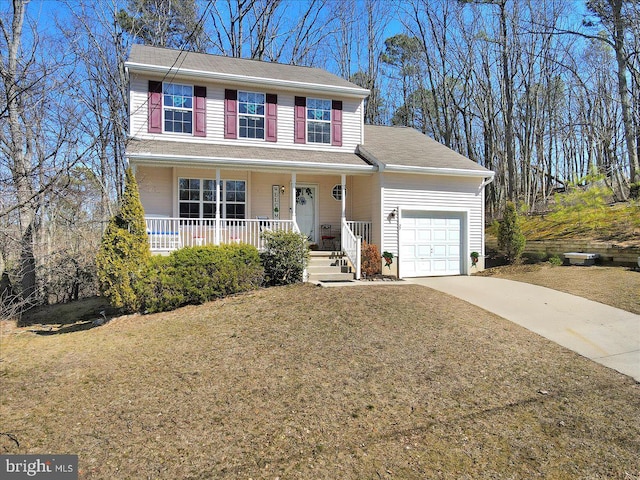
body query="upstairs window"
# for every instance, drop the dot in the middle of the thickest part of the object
(318, 121)
(178, 108)
(251, 107)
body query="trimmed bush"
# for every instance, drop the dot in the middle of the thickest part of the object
(370, 264)
(555, 260)
(124, 250)
(285, 257)
(511, 241)
(194, 275)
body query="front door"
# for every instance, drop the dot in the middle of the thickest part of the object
(306, 208)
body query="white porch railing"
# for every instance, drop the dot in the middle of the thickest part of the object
(166, 234)
(360, 229)
(351, 245)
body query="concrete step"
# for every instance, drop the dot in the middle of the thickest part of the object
(328, 269)
(330, 277)
(328, 266)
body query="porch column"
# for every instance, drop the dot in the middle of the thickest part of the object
(343, 186)
(218, 225)
(293, 197)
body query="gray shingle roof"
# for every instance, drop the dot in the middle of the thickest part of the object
(207, 63)
(240, 155)
(406, 147)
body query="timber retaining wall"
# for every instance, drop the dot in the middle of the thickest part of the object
(609, 252)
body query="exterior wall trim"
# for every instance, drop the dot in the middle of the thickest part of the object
(249, 163)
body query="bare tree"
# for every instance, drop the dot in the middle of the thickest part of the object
(39, 144)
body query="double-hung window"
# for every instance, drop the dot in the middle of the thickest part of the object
(178, 107)
(318, 121)
(197, 198)
(251, 114)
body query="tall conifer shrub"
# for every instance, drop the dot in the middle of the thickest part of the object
(124, 251)
(511, 241)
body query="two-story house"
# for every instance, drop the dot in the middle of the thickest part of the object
(224, 148)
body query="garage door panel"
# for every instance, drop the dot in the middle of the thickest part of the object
(439, 251)
(439, 234)
(423, 235)
(430, 244)
(408, 251)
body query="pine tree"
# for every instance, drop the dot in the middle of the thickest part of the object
(124, 250)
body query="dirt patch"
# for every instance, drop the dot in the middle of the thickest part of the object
(615, 286)
(308, 382)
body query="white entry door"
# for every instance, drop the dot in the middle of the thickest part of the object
(306, 210)
(430, 244)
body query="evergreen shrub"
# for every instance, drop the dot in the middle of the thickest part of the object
(285, 257)
(124, 250)
(194, 275)
(511, 241)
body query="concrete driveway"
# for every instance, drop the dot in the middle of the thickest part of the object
(607, 335)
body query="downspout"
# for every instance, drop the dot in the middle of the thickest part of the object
(486, 182)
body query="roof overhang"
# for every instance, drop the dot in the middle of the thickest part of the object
(254, 164)
(248, 80)
(451, 172)
(414, 169)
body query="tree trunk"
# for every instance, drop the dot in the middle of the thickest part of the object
(623, 89)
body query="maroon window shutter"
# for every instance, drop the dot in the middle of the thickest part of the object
(300, 118)
(336, 123)
(271, 118)
(230, 114)
(200, 111)
(155, 107)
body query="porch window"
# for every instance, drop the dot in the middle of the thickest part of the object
(251, 114)
(178, 107)
(318, 120)
(197, 198)
(336, 192)
(235, 199)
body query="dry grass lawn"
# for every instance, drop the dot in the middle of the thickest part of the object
(372, 382)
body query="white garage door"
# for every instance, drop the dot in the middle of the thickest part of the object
(430, 244)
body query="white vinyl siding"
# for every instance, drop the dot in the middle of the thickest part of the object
(432, 193)
(351, 116)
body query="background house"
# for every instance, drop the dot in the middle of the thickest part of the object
(224, 148)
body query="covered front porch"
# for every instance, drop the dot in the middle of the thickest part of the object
(194, 206)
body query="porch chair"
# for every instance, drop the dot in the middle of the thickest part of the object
(327, 236)
(264, 223)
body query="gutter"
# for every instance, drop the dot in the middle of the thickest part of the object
(252, 163)
(242, 79)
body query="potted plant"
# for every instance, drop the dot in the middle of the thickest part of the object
(474, 258)
(388, 258)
